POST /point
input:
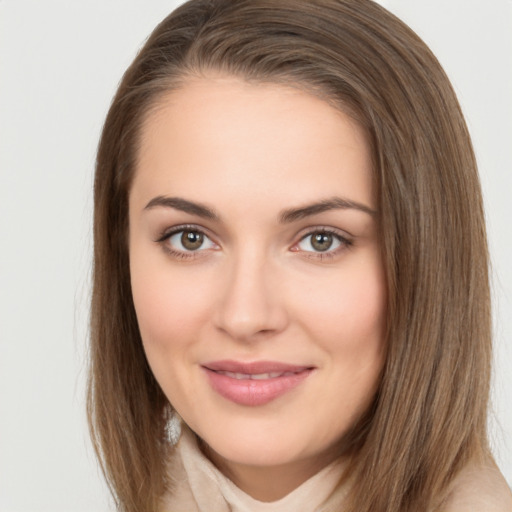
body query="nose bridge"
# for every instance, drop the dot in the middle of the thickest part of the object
(250, 304)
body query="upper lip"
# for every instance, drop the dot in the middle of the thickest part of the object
(255, 367)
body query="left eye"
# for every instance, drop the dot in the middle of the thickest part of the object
(320, 241)
(189, 240)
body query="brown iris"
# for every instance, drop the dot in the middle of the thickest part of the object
(192, 240)
(321, 241)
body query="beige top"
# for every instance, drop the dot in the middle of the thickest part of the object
(200, 487)
(480, 489)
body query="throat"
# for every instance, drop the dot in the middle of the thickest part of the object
(266, 483)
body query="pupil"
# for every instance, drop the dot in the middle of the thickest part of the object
(321, 241)
(191, 240)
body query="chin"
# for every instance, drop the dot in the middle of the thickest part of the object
(260, 446)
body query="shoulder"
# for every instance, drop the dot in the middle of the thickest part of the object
(479, 488)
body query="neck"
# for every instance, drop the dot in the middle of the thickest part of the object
(268, 483)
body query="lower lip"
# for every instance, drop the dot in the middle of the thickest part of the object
(254, 392)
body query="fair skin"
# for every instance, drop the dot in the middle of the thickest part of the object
(229, 263)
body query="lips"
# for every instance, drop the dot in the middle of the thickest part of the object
(256, 383)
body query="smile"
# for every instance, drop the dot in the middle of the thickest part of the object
(254, 384)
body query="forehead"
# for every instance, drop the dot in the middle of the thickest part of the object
(221, 134)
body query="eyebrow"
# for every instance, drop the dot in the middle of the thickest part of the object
(333, 203)
(285, 217)
(183, 205)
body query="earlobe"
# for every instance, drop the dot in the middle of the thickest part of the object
(172, 425)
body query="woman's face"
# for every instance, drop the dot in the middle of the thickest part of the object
(256, 270)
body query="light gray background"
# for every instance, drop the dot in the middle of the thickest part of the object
(60, 62)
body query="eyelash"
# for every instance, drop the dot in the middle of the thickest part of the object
(345, 243)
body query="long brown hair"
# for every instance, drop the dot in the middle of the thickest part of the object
(428, 418)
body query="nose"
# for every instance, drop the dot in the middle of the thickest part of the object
(251, 305)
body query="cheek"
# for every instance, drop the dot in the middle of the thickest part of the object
(171, 306)
(349, 306)
(347, 320)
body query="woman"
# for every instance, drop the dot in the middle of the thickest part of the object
(290, 263)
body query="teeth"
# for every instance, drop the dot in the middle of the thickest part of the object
(262, 376)
(255, 376)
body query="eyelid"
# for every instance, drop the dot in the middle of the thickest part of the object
(341, 233)
(168, 232)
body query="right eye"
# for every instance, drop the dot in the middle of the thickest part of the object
(186, 242)
(189, 240)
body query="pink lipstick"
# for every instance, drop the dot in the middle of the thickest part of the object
(255, 383)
